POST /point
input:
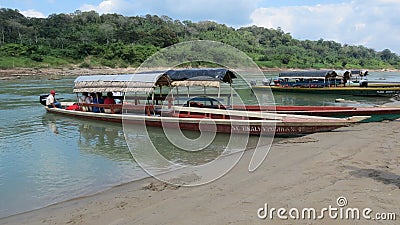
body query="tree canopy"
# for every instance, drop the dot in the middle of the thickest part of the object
(90, 39)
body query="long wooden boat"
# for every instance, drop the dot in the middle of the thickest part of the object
(223, 121)
(377, 114)
(327, 82)
(352, 90)
(190, 118)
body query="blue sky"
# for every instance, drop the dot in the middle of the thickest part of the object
(372, 23)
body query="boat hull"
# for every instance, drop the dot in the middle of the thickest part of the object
(356, 91)
(291, 127)
(377, 114)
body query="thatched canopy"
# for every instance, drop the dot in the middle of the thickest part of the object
(140, 82)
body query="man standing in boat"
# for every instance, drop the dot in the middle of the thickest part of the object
(51, 100)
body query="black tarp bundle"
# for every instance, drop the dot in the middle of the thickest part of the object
(203, 74)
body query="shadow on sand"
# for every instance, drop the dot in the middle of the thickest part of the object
(382, 176)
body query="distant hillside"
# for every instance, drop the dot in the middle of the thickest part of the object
(90, 40)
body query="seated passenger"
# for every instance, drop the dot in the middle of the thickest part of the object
(85, 98)
(98, 99)
(109, 100)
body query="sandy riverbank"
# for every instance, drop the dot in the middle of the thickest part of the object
(361, 163)
(19, 73)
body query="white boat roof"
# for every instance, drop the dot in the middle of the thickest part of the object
(140, 82)
(139, 77)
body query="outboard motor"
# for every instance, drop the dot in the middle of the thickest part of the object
(42, 99)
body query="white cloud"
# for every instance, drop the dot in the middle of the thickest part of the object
(232, 12)
(372, 23)
(107, 6)
(32, 13)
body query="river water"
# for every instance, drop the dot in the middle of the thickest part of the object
(46, 158)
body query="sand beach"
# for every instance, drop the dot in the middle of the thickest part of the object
(359, 165)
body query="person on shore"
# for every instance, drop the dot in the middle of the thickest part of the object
(51, 101)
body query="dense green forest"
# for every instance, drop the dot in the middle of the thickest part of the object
(88, 39)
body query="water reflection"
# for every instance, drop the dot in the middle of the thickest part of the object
(93, 137)
(53, 127)
(108, 140)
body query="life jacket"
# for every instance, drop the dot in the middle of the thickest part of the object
(72, 107)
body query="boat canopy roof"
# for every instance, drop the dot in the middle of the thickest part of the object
(211, 77)
(147, 81)
(139, 82)
(350, 73)
(315, 74)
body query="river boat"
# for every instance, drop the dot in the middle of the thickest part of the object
(376, 114)
(186, 117)
(328, 82)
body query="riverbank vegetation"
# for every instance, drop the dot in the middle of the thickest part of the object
(91, 40)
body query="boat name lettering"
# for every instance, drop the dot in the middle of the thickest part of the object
(267, 129)
(387, 92)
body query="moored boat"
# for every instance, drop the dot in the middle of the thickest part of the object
(328, 82)
(186, 117)
(377, 114)
(225, 121)
(385, 91)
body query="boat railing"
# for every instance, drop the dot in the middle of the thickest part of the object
(251, 115)
(108, 108)
(118, 108)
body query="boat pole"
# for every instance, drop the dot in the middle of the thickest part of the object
(231, 98)
(160, 94)
(177, 93)
(171, 100)
(152, 100)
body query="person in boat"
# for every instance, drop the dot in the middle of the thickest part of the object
(85, 98)
(98, 99)
(51, 101)
(109, 99)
